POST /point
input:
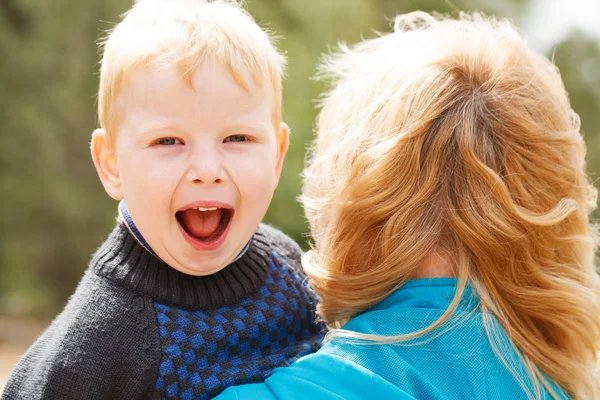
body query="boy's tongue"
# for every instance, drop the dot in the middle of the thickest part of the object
(201, 223)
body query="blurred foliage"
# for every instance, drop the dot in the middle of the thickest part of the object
(55, 210)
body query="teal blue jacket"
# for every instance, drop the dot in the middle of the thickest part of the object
(456, 361)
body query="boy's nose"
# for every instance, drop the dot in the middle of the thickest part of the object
(206, 167)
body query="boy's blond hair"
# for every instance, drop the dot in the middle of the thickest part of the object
(452, 136)
(184, 34)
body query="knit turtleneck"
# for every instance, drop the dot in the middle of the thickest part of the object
(136, 328)
(122, 258)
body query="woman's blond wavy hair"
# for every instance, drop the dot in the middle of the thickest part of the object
(450, 135)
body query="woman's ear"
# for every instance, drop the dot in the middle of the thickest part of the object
(105, 161)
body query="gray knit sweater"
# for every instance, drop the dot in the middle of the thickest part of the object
(136, 328)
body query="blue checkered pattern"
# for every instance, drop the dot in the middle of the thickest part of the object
(204, 352)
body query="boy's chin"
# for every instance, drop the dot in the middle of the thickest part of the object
(201, 267)
(200, 270)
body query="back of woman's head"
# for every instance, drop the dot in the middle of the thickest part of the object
(452, 136)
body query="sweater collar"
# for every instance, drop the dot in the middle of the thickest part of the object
(125, 259)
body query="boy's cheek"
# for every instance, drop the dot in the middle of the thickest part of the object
(258, 184)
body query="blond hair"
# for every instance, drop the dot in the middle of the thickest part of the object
(451, 136)
(183, 34)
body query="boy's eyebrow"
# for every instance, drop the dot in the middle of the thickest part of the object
(248, 127)
(232, 128)
(157, 127)
(161, 124)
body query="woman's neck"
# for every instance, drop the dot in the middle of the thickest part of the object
(437, 264)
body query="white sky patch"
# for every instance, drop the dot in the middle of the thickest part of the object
(549, 21)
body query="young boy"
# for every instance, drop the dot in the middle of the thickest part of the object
(189, 294)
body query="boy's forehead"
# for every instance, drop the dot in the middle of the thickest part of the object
(155, 92)
(154, 82)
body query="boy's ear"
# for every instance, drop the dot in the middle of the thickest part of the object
(105, 161)
(283, 143)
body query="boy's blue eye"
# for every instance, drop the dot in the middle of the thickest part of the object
(236, 138)
(168, 141)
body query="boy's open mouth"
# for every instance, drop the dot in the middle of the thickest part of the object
(205, 225)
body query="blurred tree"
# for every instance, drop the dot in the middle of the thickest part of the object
(57, 209)
(578, 59)
(56, 212)
(15, 16)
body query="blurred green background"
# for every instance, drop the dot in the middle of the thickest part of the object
(55, 212)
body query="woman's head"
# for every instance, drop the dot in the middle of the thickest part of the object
(452, 137)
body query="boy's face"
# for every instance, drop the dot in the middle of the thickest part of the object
(196, 165)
